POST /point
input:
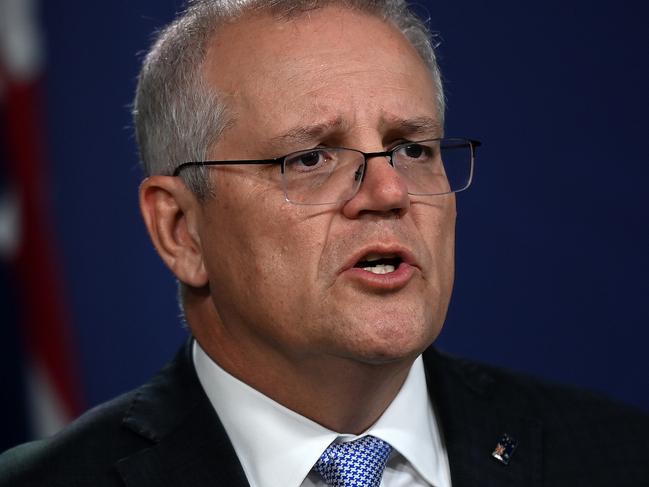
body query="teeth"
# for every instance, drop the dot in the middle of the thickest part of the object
(380, 269)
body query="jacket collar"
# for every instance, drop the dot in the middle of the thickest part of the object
(189, 446)
(473, 417)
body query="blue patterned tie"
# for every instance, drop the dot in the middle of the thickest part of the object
(358, 463)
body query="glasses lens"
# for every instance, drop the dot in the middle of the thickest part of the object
(435, 166)
(331, 175)
(322, 176)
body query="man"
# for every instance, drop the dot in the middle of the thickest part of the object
(301, 190)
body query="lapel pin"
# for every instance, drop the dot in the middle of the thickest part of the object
(504, 449)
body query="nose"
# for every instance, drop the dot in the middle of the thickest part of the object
(383, 191)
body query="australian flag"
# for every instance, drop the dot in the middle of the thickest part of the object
(38, 367)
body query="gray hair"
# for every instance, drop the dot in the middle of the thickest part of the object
(178, 118)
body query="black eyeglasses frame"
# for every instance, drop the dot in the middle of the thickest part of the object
(281, 159)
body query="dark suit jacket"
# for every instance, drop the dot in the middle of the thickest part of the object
(166, 433)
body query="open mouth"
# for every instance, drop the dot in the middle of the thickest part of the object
(379, 264)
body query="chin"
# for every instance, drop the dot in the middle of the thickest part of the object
(394, 340)
(385, 356)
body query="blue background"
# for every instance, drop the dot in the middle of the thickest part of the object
(553, 238)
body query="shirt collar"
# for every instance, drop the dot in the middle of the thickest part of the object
(278, 447)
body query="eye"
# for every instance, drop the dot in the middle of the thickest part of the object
(415, 152)
(307, 160)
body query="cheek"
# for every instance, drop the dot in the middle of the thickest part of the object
(290, 252)
(439, 239)
(272, 250)
(437, 228)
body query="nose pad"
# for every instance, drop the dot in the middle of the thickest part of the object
(385, 191)
(358, 175)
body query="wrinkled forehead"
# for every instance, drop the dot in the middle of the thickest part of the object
(313, 63)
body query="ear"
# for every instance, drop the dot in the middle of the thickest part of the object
(171, 212)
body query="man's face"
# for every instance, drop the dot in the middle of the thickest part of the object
(282, 276)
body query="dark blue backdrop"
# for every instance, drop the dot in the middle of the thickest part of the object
(553, 239)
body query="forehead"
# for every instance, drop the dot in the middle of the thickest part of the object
(330, 66)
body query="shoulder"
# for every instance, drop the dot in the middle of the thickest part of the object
(166, 432)
(532, 396)
(574, 436)
(82, 454)
(91, 450)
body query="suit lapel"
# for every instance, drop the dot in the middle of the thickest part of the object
(473, 419)
(189, 446)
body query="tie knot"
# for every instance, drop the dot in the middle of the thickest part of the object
(358, 463)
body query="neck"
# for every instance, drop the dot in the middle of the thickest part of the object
(324, 388)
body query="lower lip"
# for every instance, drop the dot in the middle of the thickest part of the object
(391, 281)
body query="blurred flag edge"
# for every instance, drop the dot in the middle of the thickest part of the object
(41, 384)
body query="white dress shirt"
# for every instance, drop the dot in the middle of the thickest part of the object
(278, 447)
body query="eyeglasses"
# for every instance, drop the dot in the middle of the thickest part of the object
(327, 175)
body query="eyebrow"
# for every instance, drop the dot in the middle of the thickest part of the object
(301, 135)
(418, 125)
(305, 135)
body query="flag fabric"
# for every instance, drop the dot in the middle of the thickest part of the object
(39, 368)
